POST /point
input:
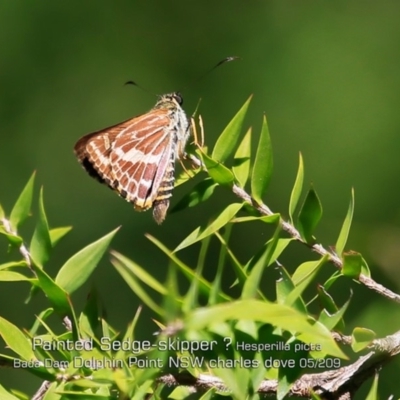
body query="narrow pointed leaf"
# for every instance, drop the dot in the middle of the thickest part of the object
(136, 287)
(200, 192)
(263, 164)
(230, 135)
(330, 306)
(259, 263)
(204, 285)
(16, 340)
(5, 395)
(373, 392)
(284, 286)
(352, 264)
(40, 246)
(22, 207)
(303, 276)
(78, 268)
(362, 338)
(217, 171)
(344, 232)
(56, 295)
(241, 162)
(331, 321)
(11, 276)
(56, 234)
(310, 215)
(297, 188)
(276, 314)
(221, 220)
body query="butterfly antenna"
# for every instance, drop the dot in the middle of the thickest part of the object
(225, 60)
(138, 86)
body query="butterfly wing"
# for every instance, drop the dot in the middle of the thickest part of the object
(93, 151)
(140, 156)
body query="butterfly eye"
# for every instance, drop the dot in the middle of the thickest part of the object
(177, 96)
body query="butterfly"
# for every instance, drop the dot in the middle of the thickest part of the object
(136, 158)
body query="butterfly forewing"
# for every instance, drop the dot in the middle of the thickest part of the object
(137, 157)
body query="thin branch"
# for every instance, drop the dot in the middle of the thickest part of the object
(22, 248)
(318, 248)
(338, 384)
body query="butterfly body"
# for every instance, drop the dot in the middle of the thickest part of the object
(136, 158)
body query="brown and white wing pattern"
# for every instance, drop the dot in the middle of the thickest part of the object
(136, 158)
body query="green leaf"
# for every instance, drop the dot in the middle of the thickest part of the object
(5, 395)
(268, 219)
(362, 338)
(184, 176)
(310, 215)
(230, 136)
(241, 162)
(344, 232)
(373, 392)
(56, 234)
(204, 285)
(276, 314)
(41, 244)
(303, 276)
(16, 340)
(217, 171)
(78, 268)
(221, 220)
(263, 164)
(129, 277)
(258, 265)
(330, 306)
(284, 286)
(22, 207)
(2, 214)
(200, 192)
(331, 321)
(12, 276)
(297, 188)
(352, 264)
(56, 295)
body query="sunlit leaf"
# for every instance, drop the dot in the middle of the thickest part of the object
(352, 264)
(204, 285)
(200, 192)
(230, 135)
(5, 395)
(330, 306)
(361, 338)
(40, 246)
(263, 164)
(56, 234)
(79, 267)
(22, 207)
(258, 265)
(241, 161)
(303, 276)
(276, 314)
(310, 215)
(217, 171)
(284, 286)
(221, 220)
(297, 188)
(16, 340)
(344, 232)
(373, 392)
(331, 321)
(56, 295)
(12, 276)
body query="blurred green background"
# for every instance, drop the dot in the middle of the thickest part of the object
(325, 73)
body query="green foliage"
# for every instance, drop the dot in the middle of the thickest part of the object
(236, 331)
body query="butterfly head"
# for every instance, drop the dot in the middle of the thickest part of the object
(170, 101)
